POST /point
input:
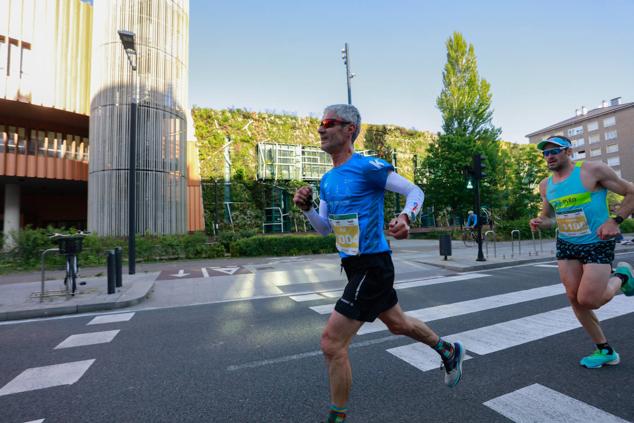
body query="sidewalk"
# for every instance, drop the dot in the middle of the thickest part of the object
(189, 282)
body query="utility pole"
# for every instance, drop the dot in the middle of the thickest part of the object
(345, 55)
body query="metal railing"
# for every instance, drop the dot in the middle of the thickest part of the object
(519, 242)
(486, 243)
(541, 245)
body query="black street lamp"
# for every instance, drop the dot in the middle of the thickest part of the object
(127, 40)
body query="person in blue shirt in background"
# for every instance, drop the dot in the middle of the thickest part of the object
(472, 220)
(351, 206)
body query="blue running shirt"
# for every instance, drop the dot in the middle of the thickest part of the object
(354, 193)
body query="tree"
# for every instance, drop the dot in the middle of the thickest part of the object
(465, 105)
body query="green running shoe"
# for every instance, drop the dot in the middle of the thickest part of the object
(335, 417)
(625, 269)
(599, 359)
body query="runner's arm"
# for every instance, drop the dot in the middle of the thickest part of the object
(319, 220)
(414, 196)
(612, 182)
(546, 218)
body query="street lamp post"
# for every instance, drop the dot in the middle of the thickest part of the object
(345, 55)
(128, 42)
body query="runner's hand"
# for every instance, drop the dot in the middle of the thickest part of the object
(399, 227)
(535, 223)
(608, 230)
(304, 198)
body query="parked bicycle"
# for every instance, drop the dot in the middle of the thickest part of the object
(70, 245)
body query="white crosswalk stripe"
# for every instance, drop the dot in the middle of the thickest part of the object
(47, 377)
(537, 403)
(414, 283)
(111, 318)
(84, 339)
(35, 421)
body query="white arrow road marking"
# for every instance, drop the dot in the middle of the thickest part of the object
(537, 403)
(181, 273)
(227, 270)
(46, 377)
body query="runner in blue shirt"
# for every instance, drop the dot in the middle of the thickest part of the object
(351, 206)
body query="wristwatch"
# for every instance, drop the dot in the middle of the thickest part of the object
(618, 219)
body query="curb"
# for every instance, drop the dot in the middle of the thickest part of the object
(62, 310)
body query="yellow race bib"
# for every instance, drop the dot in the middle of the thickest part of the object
(346, 229)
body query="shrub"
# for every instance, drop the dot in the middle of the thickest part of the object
(283, 245)
(627, 227)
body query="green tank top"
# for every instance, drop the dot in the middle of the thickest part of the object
(579, 212)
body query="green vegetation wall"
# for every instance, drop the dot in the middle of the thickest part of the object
(246, 129)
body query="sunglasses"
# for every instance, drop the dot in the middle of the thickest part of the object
(329, 123)
(553, 151)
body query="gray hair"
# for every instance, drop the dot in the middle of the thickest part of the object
(349, 113)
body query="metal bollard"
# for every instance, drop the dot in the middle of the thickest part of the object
(111, 272)
(118, 267)
(519, 242)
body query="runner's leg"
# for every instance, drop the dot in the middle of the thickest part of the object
(597, 286)
(401, 324)
(571, 274)
(335, 340)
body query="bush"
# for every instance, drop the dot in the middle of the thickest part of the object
(627, 227)
(504, 228)
(283, 245)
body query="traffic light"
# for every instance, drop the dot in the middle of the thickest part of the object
(478, 167)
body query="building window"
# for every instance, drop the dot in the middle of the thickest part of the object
(579, 155)
(611, 121)
(614, 161)
(594, 138)
(575, 131)
(611, 135)
(593, 126)
(580, 142)
(618, 172)
(612, 148)
(595, 152)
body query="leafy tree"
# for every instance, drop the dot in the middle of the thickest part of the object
(465, 105)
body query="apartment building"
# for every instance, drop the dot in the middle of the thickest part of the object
(605, 133)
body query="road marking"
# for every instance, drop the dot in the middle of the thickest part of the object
(307, 297)
(332, 294)
(181, 274)
(537, 403)
(230, 270)
(111, 318)
(83, 339)
(419, 355)
(511, 333)
(489, 339)
(204, 272)
(327, 308)
(35, 421)
(471, 306)
(47, 377)
(546, 265)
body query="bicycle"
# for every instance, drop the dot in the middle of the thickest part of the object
(469, 237)
(70, 245)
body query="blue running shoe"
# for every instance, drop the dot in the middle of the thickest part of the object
(623, 268)
(599, 359)
(453, 368)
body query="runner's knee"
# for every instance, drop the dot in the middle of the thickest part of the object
(331, 347)
(589, 302)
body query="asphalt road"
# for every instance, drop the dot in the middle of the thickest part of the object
(259, 361)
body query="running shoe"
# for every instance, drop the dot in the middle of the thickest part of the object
(334, 417)
(625, 269)
(599, 359)
(453, 368)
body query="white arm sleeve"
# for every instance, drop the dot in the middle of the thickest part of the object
(414, 195)
(319, 221)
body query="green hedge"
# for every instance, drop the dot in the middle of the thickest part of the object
(280, 245)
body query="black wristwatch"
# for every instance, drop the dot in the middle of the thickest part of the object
(618, 219)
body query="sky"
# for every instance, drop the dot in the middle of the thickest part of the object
(543, 59)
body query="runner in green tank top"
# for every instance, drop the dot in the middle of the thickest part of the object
(574, 199)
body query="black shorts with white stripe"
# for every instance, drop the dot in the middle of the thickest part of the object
(370, 289)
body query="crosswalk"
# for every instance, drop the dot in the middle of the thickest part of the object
(69, 373)
(532, 403)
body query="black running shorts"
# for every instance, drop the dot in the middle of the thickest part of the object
(370, 289)
(597, 252)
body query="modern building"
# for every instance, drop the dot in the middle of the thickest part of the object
(605, 133)
(56, 61)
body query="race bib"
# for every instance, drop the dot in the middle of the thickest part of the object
(573, 223)
(346, 229)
